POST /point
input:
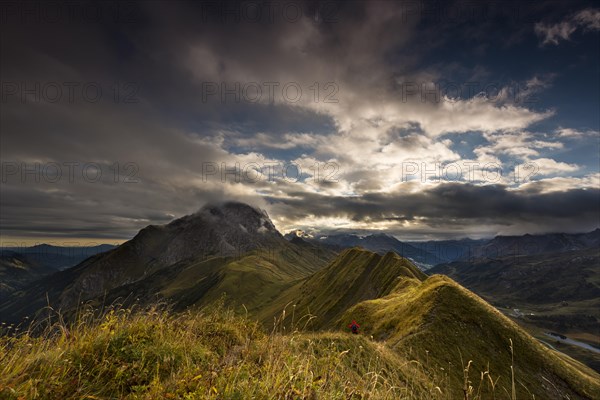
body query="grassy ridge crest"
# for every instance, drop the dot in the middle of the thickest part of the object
(444, 326)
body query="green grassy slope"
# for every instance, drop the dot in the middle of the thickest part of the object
(207, 355)
(127, 275)
(555, 292)
(439, 322)
(355, 275)
(435, 321)
(251, 281)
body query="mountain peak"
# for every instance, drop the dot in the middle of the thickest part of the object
(231, 216)
(219, 229)
(232, 206)
(248, 218)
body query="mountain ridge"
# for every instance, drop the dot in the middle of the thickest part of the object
(354, 275)
(228, 231)
(427, 254)
(438, 322)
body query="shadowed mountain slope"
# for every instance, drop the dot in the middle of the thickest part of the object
(229, 247)
(550, 292)
(527, 245)
(537, 279)
(17, 270)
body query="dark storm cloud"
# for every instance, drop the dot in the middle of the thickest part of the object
(141, 50)
(453, 206)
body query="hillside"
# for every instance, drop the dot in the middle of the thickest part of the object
(355, 275)
(449, 250)
(252, 281)
(433, 320)
(539, 279)
(418, 333)
(17, 270)
(444, 326)
(410, 348)
(550, 292)
(154, 354)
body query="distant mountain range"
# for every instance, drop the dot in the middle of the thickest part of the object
(548, 278)
(56, 257)
(527, 245)
(430, 253)
(380, 243)
(20, 266)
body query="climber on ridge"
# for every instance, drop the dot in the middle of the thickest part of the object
(354, 327)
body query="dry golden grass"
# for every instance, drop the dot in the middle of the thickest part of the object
(156, 354)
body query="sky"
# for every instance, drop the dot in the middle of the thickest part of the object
(423, 120)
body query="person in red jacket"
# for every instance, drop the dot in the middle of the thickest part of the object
(354, 327)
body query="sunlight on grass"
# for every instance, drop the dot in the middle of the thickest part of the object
(153, 353)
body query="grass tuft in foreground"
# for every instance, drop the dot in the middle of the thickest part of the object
(153, 353)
